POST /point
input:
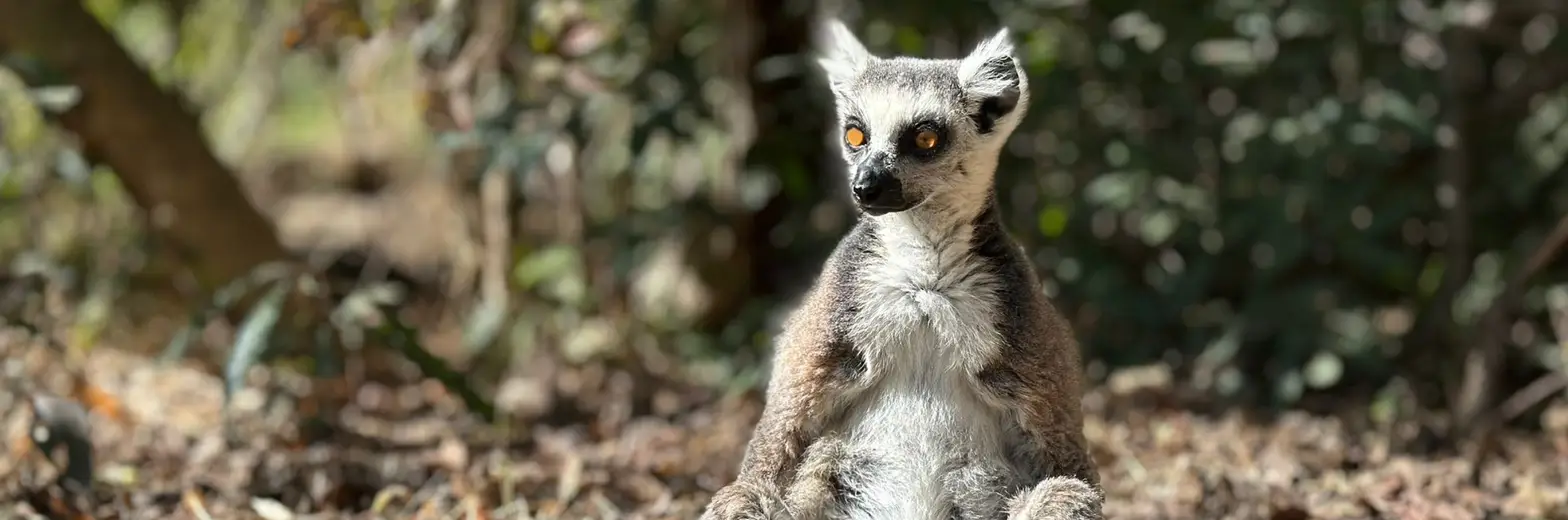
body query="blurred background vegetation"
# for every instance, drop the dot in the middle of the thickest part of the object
(1282, 203)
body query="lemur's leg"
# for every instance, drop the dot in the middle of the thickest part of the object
(745, 500)
(1057, 498)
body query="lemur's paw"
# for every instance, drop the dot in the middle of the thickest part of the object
(816, 492)
(1058, 498)
(745, 501)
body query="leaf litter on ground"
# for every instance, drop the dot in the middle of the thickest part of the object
(606, 441)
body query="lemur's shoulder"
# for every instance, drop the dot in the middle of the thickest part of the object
(824, 312)
(815, 335)
(813, 362)
(1040, 358)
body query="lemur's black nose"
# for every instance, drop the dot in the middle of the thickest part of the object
(866, 190)
(877, 190)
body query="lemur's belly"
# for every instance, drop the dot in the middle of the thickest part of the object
(921, 443)
(922, 446)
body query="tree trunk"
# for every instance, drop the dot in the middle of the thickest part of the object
(155, 146)
(794, 117)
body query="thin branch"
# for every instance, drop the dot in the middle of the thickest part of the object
(492, 30)
(1482, 362)
(494, 192)
(1531, 395)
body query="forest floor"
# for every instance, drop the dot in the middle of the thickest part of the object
(601, 442)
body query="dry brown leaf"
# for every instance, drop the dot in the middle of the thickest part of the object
(192, 501)
(99, 401)
(430, 510)
(571, 479)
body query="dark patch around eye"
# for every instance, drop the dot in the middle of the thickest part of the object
(906, 140)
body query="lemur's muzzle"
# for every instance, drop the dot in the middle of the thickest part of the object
(877, 190)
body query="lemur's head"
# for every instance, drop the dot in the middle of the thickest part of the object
(921, 131)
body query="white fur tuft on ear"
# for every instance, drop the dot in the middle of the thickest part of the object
(992, 78)
(842, 56)
(991, 67)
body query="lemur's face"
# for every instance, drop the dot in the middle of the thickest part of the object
(911, 126)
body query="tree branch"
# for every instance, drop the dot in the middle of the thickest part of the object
(1473, 415)
(483, 50)
(1478, 421)
(155, 146)
(1464, 77)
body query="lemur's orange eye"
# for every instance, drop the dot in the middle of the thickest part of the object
(854, 137)
(926, 140)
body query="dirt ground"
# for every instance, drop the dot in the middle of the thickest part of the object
(598, 442)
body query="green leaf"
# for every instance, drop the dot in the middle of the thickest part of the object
(553, 262)
(484, 325)
(222, 298)
(180, 343)
(1289, 387)
(251, 340)
(33, 71)
(56, 99)
(1053, 220)
(327, 359)
(1158, 227)
(1324, 370)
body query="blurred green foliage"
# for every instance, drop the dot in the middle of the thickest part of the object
(1255, 192)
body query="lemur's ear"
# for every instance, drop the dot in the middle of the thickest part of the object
(841, 55)
(991, 75)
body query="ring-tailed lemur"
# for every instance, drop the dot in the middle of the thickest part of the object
(925, 376)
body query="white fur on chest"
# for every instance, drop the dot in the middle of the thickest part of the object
(926, 325)
(925, 302)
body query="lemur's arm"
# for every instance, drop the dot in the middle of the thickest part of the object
(809, 375)
(1037, 377)
(812, 369)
